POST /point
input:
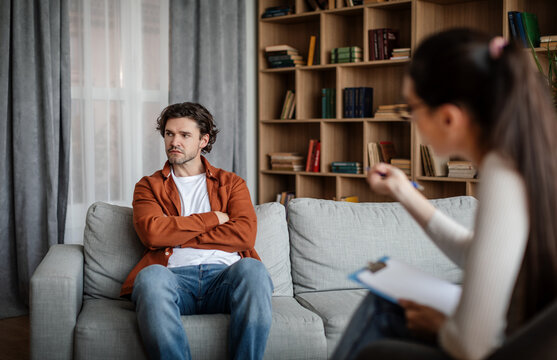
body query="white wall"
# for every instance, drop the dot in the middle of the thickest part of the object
(251, 98)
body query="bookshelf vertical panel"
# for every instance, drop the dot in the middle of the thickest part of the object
(341, 141)
(273, 184)
(351, 186)
(317, 187)
(341, 30)
(290, 137)
(472, 189)
(272, 90)
(308, 85)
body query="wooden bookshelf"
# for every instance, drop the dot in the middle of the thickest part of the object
(345, 139)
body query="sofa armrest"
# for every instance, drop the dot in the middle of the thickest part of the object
(56, 296)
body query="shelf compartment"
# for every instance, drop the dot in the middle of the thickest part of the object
(272, 184)
(441, 189)
(545, 10)
(398, 132)
(385, 80)
(350, 186)
(309, 84)
(289, 137)
(394, 17)
(318, 187)
(483, 15)
(341, 141)
(341, 29)
(272, 94)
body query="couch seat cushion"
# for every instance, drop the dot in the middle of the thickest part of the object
(107, 329)
(335, 308)
(331, 239)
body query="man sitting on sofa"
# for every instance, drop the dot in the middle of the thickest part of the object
(199, 226)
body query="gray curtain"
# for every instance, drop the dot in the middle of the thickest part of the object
(34, 140)
(207, 60)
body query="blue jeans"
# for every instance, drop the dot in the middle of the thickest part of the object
(242, 289)
(375, 319)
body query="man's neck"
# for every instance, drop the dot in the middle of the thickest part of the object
(191, 168)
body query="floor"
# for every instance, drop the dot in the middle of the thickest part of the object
(14, 338)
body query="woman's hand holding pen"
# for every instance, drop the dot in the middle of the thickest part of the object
(388, 180)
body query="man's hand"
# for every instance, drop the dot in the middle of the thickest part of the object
(223, 217)
(423, 321)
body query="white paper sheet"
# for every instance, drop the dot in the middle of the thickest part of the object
(398, 280)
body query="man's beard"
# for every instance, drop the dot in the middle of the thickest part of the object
(178, 160)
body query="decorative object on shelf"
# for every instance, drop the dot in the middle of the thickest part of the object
(461, 169)
(286, 161)
(347, 167)
(280, 56)
(347, 54)
(382, 42)
(350, 198)
(357, 102)
(277, 11)
(328, 103)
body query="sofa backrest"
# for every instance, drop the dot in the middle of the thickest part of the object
(331, 239)
(112, 248)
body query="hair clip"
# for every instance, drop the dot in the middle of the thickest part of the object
(496, 46)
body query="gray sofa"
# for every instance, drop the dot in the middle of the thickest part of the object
(76, 311)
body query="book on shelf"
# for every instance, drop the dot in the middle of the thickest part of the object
(357, 102)
(311, 50)
(548, 42)
(400, 54)
(284, 198)
(388, 151)
(277, 11)
(286, 161)
(346, 55)
(347, 167)
(392, 112)
(531, 28)
(381, 43)
(328, 103)
(288, 105)
(402, 164)
(314, 156)
(461, 169)
(432, 164)
(279, 56)
(373, 154)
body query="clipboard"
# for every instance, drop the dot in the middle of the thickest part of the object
(393, 279)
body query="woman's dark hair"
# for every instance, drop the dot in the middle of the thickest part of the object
(513, 109)
(193, 111)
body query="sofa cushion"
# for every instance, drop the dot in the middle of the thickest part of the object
(112, 248)
(273, 246)
(335, 308)
(107, 329)
(331, 239)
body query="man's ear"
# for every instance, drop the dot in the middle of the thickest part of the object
(204, 141)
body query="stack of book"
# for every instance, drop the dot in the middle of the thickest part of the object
(346, 55)
(280, 56)
(383, 151)
(392, 112)
(328, 103)
(286, 161)
(358, 102)
(314, 156)
(524, 28)
(433, 165)
(461, 169)
(400, 54)
(289, 106)
(277, 11)
(381, 43)
(402, 164)
(549, 42)
(348, 167)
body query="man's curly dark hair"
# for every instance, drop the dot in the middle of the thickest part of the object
(194, 111)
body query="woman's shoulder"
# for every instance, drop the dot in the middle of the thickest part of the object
(498, 174)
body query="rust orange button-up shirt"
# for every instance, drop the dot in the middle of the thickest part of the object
(157, 220)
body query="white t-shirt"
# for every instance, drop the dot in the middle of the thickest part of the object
(194, 199)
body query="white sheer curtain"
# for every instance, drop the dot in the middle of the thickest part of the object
(119, 65)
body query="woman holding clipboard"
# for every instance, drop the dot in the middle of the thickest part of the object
(481, 99)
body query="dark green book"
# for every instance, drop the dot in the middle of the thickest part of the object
(531, 27)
